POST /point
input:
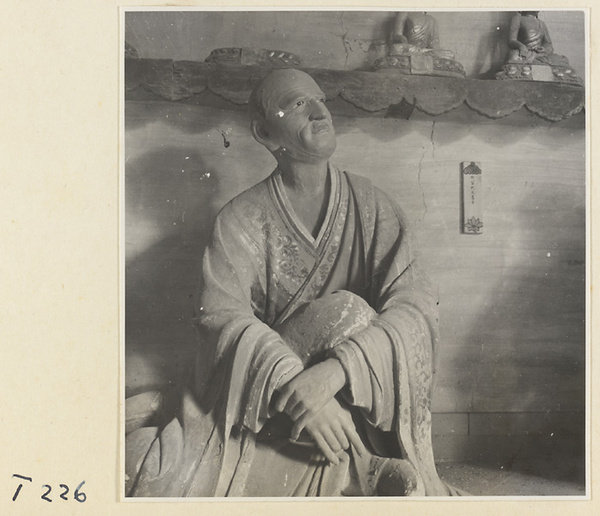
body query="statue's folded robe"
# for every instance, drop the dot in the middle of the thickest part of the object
(260, 269)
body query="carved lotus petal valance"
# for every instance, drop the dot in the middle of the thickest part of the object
(187, 81)
(436, 95)
(495, 99)
(233, 85)
(366, 90)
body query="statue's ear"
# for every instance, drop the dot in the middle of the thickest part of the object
(261, 134)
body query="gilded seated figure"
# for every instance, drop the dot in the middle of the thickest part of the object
(531, 53)
(416, 32)
(529, 41)
(414, 48)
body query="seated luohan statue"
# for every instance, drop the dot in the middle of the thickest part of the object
(414, 48)
(416, 32)
(317, 334)
(529, 41)
(531, 53)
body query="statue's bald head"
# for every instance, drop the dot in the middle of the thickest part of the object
(273, 84)
(290, 119)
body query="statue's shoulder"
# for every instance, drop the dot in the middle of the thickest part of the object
(248, 209)
(360, 184)
(374, 200)
(365, 188)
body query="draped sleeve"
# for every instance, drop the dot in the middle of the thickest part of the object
(406, 309)
(242, 361)
(389, 365)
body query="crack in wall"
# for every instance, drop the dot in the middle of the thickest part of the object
(421, 169)
(420, 185)
(345, 41)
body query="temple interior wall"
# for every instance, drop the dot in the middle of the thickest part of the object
(512, 300)
(346, 40)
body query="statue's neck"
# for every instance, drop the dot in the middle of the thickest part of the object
(304, 178)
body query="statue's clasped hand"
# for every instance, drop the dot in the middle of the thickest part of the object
(309, 400)
(333, 431)
(309, 391)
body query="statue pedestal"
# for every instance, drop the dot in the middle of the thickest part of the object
(245, 56)
(539, 73)
(420, 64)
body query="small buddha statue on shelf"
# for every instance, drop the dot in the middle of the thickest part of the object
(414, 48)
(531, 53)
(415, 32)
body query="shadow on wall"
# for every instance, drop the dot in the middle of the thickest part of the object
(526, 352)
(492, 48)
(169, 216)
(503, 132)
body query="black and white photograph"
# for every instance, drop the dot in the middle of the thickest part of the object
(354, 253)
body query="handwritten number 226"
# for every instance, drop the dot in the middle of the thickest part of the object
(78, 495)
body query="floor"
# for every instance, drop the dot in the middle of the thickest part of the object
(491, 466)
(484, 480)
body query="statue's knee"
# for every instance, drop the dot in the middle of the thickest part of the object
(345, 304)
(325, 322)
(338, 311)
(347, 297)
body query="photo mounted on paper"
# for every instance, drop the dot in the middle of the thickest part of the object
(355, 253)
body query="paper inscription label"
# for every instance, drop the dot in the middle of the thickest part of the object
(472, 206)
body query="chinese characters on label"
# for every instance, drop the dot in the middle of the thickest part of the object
(472, 209)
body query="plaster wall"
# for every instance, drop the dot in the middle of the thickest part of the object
(341, 40)
(512, 357)
(512, 298)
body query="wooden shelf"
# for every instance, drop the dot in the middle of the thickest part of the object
(386, 94)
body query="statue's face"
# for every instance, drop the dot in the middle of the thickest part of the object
(297, 121)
